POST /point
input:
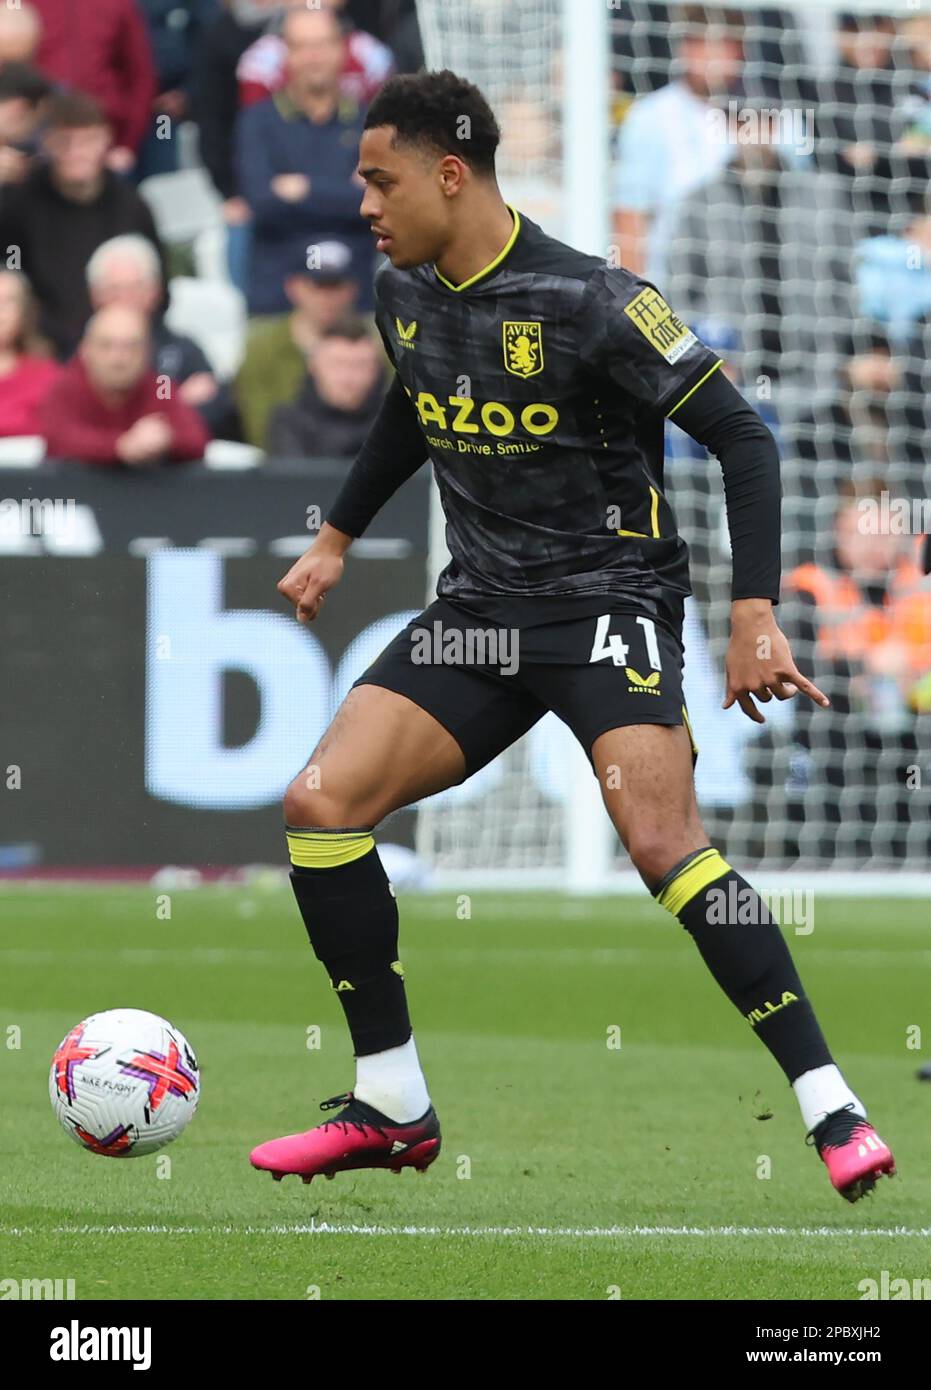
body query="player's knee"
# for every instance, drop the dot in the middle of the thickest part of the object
(306, 802)
(654, 850)
(303, 803)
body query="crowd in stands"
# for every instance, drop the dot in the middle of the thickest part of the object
(800, 248)
(108, 110)
(158, 154)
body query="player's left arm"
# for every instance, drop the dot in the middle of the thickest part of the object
(630, 335)
(759, 663)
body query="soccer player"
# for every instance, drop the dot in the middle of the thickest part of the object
(536, 379)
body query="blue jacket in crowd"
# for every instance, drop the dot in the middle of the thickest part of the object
(274, 137)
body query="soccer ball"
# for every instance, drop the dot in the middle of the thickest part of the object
(124, 1083)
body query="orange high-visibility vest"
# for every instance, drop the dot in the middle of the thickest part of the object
(848, 625)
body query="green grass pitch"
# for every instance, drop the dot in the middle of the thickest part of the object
(570, 1169)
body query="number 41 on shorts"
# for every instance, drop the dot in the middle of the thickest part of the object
(611, 645)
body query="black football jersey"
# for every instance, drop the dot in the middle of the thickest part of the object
(541, 386)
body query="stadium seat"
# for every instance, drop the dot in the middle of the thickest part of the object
(22, 451)
(213, 313)
(227, 453)
(189, 146)
(183, 203)
(210, 258)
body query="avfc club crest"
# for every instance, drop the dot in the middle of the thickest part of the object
(523, 348)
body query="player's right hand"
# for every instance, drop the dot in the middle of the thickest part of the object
(307, 581)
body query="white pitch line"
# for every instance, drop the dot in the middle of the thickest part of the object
(143, 957)
(575, 1232)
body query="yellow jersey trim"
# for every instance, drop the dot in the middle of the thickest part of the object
(486, 270)
(710, 372)
(696, 876)
(654, 513)
(688, 725)
(654, 520)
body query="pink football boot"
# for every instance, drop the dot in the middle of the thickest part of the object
(359, 1137)
(853, 1152)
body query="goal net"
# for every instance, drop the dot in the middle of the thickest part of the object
(768, 169)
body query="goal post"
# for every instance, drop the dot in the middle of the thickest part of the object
(589, 837)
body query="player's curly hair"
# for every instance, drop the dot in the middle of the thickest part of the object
(442, 112)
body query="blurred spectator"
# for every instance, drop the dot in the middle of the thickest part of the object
(23, 96)
(852, 107)
(26, 370)
(108, 406)
(401, 34)
(63, 211)
(908, 170)
(642, 55)
(873, 420)
(101, 48)
(277, 349)
(916, 397)
(641, 52)
(296, 157)
(395, 23)
(175, 30)
(340, 397)
(860, 619)
(913, 110)
(764, 247)
(668, 145)
(868, 612)
(894, 273)
(126, 270)
(367, 63)
(20, 32)
(215, 104)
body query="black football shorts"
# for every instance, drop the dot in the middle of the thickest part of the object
(488, 685)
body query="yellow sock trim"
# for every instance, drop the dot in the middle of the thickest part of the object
(693, 878)
(326, 849)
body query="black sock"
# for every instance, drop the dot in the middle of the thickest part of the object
(744, 949)
(351, 918)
